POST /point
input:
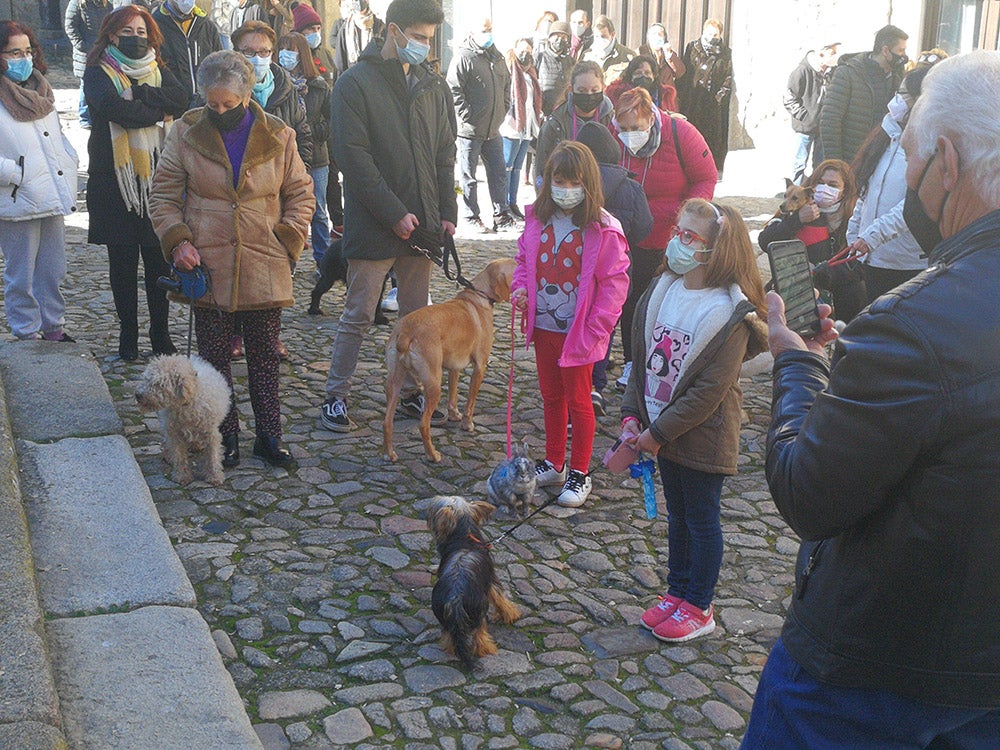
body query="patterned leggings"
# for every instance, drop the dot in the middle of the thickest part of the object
(214, 331)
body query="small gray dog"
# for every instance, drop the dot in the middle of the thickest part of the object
(192, 399)
(512, 482)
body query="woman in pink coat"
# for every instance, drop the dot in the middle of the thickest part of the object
(673, 163)
(571, 279)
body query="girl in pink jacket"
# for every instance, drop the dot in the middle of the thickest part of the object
(572, 280)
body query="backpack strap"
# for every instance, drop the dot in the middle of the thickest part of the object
(677, 142)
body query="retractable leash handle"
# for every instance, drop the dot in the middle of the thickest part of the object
(193, 284)
(844, 256)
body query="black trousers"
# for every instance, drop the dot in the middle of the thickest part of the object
(123, 267)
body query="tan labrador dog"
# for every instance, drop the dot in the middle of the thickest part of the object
(449, 336)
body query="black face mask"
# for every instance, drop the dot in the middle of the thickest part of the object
(228, 119)
(898, 61)
(588, 102)
(558, 45)
(133, 47)
(644, 82)
(923, 228)
(524, 58)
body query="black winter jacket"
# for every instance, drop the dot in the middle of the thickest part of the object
(83, 24)
(184, 52)
(890, 459)
(855, 102)
(480, 85)
(804, 96)
(111, 223)
(395, 146)
(625, 200)
(286, 104)
(317, 101)
(553, 76)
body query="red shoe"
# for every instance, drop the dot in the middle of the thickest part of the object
(337, 231)
(664, 608)
(236, 348)
(685, 623)
(282, 350)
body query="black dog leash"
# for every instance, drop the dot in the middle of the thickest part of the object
(441, 252)
(524, 520)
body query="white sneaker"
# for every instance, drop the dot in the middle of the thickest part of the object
(576, 490)
(622, 381)
(429, 300)
(390, 303)
(547, 476)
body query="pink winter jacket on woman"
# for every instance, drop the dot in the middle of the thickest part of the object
(678, 169)
(600, 296)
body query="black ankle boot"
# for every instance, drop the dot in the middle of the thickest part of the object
(231, 450)
(273, 451)
(162, 344)
(128, 345)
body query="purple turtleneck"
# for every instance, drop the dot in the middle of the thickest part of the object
(235, 141)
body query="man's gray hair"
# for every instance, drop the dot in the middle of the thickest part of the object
(228, 70)
(960, 99)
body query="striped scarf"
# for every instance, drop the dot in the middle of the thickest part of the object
(135, 150)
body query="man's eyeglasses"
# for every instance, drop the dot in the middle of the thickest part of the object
(18, 54)
(686, 236)
(256, 52)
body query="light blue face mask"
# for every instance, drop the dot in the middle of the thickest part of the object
(20, 70)
(313, 39)
(680, 258)
(288, 59)
(484, 39)
(260, 66)
(414, 52)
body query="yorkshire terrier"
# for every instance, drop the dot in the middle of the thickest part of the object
(466, 581)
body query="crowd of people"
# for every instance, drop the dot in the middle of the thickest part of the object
(225, 152)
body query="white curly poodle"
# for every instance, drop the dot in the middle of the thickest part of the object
(192, 399)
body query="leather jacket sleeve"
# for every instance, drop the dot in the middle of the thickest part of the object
(843, 437)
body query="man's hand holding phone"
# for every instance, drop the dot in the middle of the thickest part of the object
(782, 338)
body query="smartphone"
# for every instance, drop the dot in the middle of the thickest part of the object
(792, 278)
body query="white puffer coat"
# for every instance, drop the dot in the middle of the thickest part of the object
(47, 184)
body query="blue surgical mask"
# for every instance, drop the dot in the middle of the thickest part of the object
(184, 7)
(567, 198)
(680, 257)
(484, 39)
(414, 52)
(313, 39)
(260, 66)
(288, 59)
(20, 70)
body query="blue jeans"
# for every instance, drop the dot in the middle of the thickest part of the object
(469, 153)
(694, 531)
(83, 109)
(320, 220)
(804, 143)
(792, 709)
(514, 152)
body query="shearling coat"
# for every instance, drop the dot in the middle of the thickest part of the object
(248, 236)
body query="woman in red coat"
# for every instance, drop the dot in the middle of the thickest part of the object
(673, 163)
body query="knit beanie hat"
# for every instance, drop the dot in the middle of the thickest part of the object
(305, 16)
(601, 143)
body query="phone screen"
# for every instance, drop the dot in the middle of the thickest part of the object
(792, 278)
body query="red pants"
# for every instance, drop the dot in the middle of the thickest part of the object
(565, 393)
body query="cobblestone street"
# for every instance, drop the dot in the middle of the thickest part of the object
(317, 582)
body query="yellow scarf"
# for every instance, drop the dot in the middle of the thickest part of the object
(135, 150)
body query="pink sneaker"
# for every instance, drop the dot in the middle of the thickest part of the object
(660, 612)
(685, 623)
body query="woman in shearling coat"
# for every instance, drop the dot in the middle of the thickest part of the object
(231, 194)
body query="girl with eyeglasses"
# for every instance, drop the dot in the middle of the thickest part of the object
(37, 189)
(696, 324)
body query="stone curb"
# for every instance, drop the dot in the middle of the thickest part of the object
(29, 706)
(148, 675)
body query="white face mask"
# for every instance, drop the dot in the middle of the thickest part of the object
(568, 198)
(656, 41)
(826, 196)
(604, 46)
(898, 108)
(634, 140)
